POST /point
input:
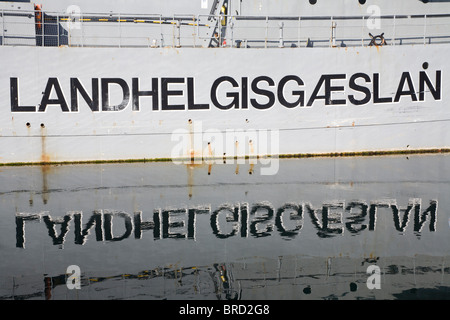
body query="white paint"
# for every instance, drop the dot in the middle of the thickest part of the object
(128, 134)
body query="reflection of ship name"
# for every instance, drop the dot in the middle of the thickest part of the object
(258, 220)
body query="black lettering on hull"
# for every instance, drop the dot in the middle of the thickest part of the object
(227, 93)
(106, 104)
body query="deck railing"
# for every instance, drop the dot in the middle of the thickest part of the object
(154, 30)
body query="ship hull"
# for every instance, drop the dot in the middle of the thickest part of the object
(104, 104)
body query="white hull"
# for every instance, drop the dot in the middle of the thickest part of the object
(87, 135)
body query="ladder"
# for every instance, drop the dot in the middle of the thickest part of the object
(213, 9)
(215, 42)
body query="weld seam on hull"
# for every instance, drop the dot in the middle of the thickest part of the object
(236, 130)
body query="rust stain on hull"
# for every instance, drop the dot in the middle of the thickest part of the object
(45, 158)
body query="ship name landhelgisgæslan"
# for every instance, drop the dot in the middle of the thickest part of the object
(362, 89)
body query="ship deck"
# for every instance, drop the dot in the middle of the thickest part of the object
(36, 28)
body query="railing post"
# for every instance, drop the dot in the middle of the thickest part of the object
(362, 31)
(3, 27)
(197, 29)
(231, 31)
(69, 36)
(57, 29)
(281, 43)
(43, 29)
(393, 35)
(333, 33)
(178, 35)
(298, 32)
(120, 31)
(424, 29)
(161, 30)
(82, 30)
(267, 32)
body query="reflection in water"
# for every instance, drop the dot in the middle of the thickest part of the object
(159, 231)
(288, 277)
(258, 220)
(202, 281)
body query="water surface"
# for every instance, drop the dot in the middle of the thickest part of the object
(166, 231)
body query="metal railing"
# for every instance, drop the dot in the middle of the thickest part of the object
(155, 30)
(337, 31)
